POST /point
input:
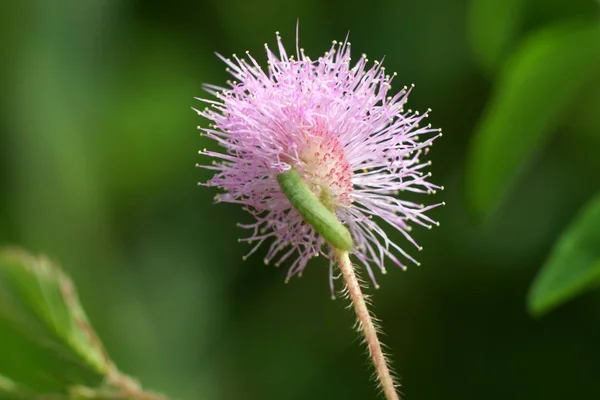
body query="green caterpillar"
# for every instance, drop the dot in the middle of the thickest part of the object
(314, 211)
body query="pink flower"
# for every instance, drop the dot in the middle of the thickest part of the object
(353, 143)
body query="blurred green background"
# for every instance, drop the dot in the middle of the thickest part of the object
(97, 151)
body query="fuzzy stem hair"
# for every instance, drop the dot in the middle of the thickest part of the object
(367, 326)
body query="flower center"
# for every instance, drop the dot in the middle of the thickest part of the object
(325, 169)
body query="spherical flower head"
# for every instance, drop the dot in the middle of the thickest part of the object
(355, 146)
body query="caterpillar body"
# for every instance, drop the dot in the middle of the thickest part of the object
(314, 211)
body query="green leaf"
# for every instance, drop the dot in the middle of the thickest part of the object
(533, 90)
(492, 25)
(11, 391)
(43, 326)
(48, 349)
(574, 264)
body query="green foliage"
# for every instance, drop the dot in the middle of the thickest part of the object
(574, 264)
(11, 391)
(492, 26)
(97, 147)
(48, 346)
(44, 327)
(539, 81)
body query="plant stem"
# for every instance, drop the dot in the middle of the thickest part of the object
(367, 326)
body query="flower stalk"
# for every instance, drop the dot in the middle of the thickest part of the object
(367, 326)
(325, 222)
(318, 151)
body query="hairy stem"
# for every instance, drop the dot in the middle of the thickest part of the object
(366, 324)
